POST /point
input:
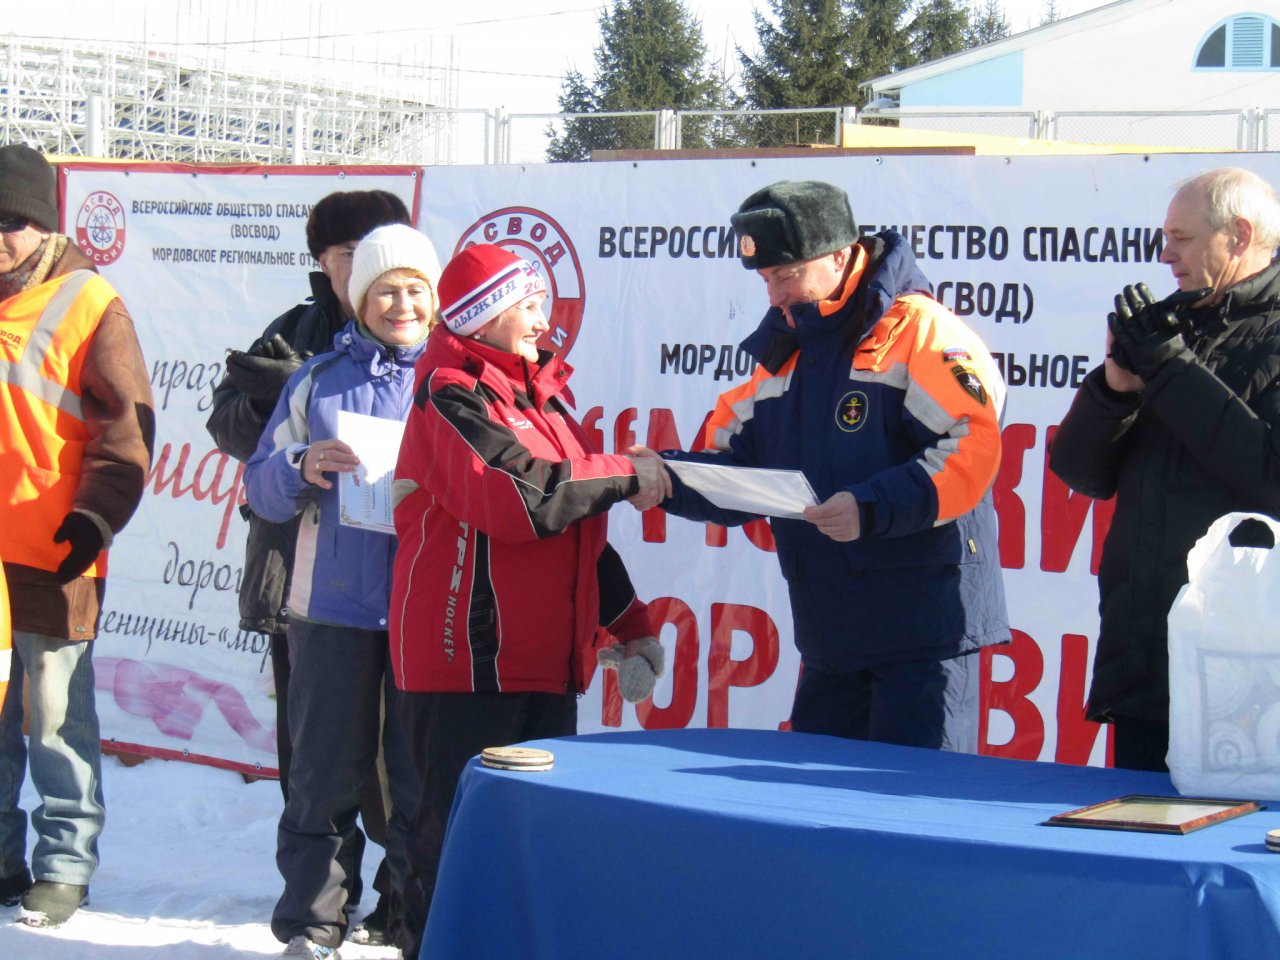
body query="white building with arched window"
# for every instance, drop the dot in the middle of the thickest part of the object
(1247, 42)
(1191, 72)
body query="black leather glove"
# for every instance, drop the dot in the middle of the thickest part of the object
(262, 372)
(86, 543)
(1147, 332)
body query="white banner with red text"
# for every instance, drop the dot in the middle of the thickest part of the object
(204, 258)
(649, 302)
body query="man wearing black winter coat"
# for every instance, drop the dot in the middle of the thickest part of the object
(242, 404)
(1181, 424)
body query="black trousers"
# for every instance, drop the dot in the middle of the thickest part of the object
(375, 805)
(445, 730)
(1140, 744)
(280, 675)
(339, 680)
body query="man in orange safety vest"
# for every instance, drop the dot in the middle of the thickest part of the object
(76, 431)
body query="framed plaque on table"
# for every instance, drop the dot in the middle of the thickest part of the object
(1154, 814)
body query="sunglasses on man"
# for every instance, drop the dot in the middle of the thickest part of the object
(13, 224)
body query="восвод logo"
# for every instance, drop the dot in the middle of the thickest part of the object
(100, 228)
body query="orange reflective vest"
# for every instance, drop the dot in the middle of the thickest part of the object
(44, 337)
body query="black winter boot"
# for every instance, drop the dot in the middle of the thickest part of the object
(14, 886)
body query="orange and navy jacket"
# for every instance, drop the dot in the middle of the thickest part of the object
(504, 579)
(884, 393)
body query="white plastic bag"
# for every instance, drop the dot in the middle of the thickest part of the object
(1224, 668)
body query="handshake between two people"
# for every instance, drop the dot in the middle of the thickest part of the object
(655, 479)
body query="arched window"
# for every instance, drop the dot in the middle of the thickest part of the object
(1246, 42)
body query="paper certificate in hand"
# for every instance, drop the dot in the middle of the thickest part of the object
(770, 493)
(364, 495)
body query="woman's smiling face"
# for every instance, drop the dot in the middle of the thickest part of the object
(517, 329)
(399, 307)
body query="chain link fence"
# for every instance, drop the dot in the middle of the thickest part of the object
(537, 138)
(168, 130)
(406, 135)
(540, 137)
(550, 137)
(759, 128)
(989, 123)
(1269, 130)
(1192, 129)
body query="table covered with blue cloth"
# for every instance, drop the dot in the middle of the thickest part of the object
(757, 844)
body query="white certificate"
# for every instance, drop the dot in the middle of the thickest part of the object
(771, 493)
(364, 495)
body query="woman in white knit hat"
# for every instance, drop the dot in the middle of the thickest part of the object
(340, 591)
(506, 588)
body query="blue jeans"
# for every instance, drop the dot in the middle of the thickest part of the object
(65, 753)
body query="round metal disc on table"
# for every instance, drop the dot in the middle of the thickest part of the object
(529, 759)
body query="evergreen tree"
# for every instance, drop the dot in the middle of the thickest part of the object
(805, 59)
(882, 45)
(937, 29)
(651, 56)
(575, 97)
(987, 23)
(816, 53)
(1051, 12)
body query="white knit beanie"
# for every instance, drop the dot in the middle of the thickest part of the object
(393, 247)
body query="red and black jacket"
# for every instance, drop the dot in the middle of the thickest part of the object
(504, 575)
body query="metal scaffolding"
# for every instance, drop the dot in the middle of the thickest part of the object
(125, 101)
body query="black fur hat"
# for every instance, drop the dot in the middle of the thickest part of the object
(346, 216)
(28, 186)
(793, 220)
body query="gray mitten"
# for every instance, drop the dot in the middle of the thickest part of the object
(639, 664)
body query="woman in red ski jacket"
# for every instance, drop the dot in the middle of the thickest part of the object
(504, 580)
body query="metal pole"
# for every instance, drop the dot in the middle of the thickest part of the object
(665, 131)
(95, 138)
(299, 143)
(845, 116)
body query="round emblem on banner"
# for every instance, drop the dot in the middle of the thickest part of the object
(536, 237)
(100, 228)
(851, 412)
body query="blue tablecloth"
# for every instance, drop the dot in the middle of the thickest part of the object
(741, 844)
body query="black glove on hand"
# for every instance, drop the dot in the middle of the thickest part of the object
(1147, 333)
(86, 543)
(262, 372)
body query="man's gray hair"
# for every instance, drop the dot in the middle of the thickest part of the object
(1234, 192)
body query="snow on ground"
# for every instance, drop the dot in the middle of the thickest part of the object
(188, 872)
